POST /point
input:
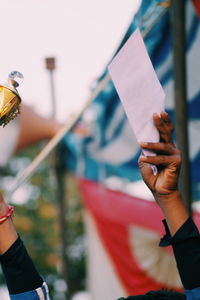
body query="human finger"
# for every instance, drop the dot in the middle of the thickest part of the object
(165, 117)
(162, 148)
(165, 129)
(146, 168)
(163, 160)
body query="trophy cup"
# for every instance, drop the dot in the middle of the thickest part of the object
(9, 98)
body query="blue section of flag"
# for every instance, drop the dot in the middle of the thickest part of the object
(108, 147)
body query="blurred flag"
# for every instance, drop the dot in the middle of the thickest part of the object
(197, 6)
(123, 231)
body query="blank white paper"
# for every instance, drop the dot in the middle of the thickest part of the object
(138, 87)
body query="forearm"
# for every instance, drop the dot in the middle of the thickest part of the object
(184, 238)
(174, 210)
(19, 271)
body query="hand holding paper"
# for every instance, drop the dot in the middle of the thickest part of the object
(138, 87)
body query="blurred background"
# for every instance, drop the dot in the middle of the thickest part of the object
(87, 219)
(81, 35)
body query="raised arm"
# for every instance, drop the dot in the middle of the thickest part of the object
(22, 278)
(184, 235)
(164, 185)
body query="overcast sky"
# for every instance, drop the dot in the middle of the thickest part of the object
(82, 35)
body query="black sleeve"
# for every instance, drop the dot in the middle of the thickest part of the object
(186, 247)
(19, 270)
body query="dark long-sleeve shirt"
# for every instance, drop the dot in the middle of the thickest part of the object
(23, 280)
(186, 247)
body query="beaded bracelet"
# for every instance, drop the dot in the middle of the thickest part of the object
(7, 215)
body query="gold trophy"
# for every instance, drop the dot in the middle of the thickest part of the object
(9, 98)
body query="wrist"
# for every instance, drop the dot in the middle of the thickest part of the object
(3, 208)
(174, 210)
(168, 199)
(169, 195)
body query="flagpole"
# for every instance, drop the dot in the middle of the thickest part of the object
(180, 89)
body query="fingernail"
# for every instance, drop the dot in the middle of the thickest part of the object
(156, 115)
(164, 112)
(154, 169)
(143, 144)
(142, 158)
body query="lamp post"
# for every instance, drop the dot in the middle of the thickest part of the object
(58, 176)
(51, 66)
